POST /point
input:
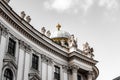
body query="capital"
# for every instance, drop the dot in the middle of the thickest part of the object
(74, 68)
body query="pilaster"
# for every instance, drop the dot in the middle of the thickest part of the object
(3, 43)
(44, 67)
(65, 72)
(74, 72)
(90, 75)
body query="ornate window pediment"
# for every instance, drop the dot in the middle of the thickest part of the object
(10, 63)
(34, 76)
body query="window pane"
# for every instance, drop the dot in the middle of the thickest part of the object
(79, 77)
(11, 47)
(57, 73)
(35, 59)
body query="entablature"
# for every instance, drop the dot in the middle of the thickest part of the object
(78, 56)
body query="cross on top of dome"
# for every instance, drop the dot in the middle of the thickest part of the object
(58, 26)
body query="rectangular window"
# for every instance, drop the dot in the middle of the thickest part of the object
(35, 60)
(57, 73)
(11, 47)
(78, 77)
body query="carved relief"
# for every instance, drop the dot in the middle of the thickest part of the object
(65, 68)
(4, 31)
(24, 46)
(74, 68)
(46, 59)
(50, 61)
(43, 58)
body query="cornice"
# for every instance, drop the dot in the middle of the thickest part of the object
(96, 71)
(27, 30)
(82, 58)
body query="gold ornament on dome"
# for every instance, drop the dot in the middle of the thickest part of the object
(58, 27)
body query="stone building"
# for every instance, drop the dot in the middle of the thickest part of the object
(117, 78)
(27, 54)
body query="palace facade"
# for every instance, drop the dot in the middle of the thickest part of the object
(117, 78)
(27, 54)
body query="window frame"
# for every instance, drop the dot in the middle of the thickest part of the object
(11, 47)
(35, 61)
(56, 72)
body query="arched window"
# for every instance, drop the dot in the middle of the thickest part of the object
(8, 75)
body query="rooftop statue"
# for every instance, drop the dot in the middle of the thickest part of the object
(28, 19)
(43, 30)
(87, 50)
(72, 42)
(48, 33)
(23, 14)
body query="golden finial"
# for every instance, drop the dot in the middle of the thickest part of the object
(58, 26)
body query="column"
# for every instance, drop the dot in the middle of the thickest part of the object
(27, 62)
(20, 73)
(3, 45)
(50, 63)
(74, 72)
(90, 75)
(44, 67)
(65, 72)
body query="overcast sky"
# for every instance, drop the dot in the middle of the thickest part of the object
(94, 21)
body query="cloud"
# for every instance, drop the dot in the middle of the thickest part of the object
(68, 5)
(59, 5)
(87, 4)
(109, 4)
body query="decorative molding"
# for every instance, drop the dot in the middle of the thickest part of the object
(74, 68)
(46, 59)
(82, 58)
(12, 36)
(8, 56)
(10, 63)
(65, 68)
(25, 46)
(34, 76)
(43, 58)
(50, 61)
(4, 31)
